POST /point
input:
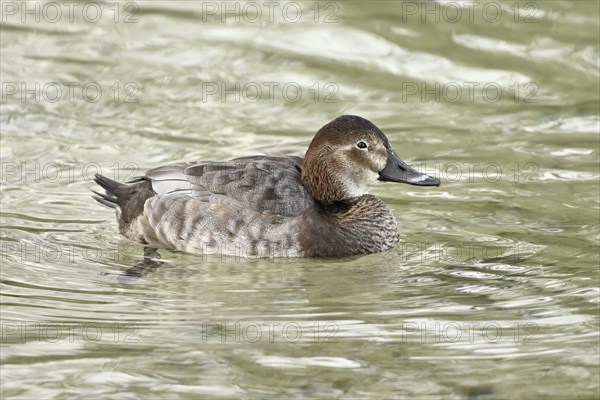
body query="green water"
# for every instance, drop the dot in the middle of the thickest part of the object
(492, 293)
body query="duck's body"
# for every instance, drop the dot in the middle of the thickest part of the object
(270, 206)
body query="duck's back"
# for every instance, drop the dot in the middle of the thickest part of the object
(258, 183)
(250, 202)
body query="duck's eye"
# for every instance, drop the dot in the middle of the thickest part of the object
(361, 145)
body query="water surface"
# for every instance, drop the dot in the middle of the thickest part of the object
(492, 293)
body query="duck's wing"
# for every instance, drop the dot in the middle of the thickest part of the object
(169, 178)
(258, 183)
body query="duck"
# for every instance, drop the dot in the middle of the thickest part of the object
(268, 206)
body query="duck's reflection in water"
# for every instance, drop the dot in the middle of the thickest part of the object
(147, 265)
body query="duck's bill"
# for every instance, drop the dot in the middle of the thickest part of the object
(397, 170)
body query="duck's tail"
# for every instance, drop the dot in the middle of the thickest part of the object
(127, 198)
(111, 198)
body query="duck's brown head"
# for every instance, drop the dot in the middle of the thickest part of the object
(348, 155)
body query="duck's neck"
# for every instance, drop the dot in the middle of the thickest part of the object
(323, 185)
(354, 226)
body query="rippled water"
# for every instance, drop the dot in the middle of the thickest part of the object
(493, 292)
